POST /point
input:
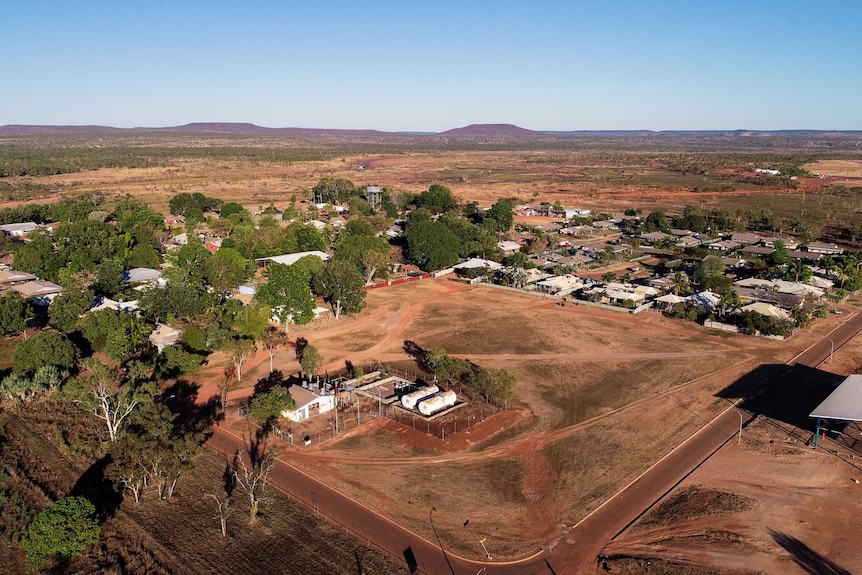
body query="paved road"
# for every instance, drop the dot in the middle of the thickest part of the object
(576, 553)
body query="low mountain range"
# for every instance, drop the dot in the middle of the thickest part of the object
(473, 131)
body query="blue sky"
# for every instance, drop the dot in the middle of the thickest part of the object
(435, 65)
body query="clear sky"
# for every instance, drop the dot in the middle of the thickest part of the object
(434, 65)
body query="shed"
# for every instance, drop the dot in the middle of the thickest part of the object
(309, 402)
(843, 404)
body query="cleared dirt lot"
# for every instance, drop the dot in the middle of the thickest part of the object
(601, 396)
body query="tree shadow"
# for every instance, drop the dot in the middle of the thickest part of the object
(273, 379)
(299, 346)
(806, 558)
(191, 416)
(99, 489)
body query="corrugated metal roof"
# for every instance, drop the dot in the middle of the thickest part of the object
(844, 403)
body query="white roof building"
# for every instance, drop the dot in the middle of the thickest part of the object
(290, 259)
(309, 402)
(767, 310)
(136, 275)
(18, 230)
(477, 263)
(509, 247)
(558, 284)
(164, 336)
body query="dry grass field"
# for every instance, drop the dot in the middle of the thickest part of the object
(604, 181)
(602, 395)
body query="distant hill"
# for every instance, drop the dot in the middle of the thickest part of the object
(492, 130)
(495, 131)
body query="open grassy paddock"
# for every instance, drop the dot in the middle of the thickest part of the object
(602, 394)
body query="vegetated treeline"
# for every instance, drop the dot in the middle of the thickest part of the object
(52, 154)
(146, 437)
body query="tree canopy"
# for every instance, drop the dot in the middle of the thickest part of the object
(64, 530)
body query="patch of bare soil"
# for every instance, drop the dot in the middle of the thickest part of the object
(770, 505)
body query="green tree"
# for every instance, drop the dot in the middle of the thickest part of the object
(177, 361)
(272, 340)
(311, 361)
(226, 269)
(109, 279)
(375, 263)
(437, 199)
(14, 313)
(64, 530)
(175, 300)
(288, 293)
(68, 307)
(657, 222)
(430, 245)
(252, 320)
(230, 208)
(38, 257)
(503, 214)
(710, 267)
(47, 348)
(341, 285)
(271, 404)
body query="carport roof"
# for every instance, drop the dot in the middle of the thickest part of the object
(844, 403)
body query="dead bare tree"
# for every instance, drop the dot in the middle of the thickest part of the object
(225, 384)
(253, 478)
(224, 511)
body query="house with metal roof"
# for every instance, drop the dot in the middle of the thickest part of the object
(290, 259)
(41, 292)
(18, 230)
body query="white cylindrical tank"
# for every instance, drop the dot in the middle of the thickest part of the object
(409, 400)
(437, 402)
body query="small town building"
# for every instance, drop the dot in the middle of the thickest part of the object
(141, 275)
(310, 401)
(509, 248)
(290, 259)
(42, 293)
(11, 277)
(165, 336)
(18, 230)
(824, 248)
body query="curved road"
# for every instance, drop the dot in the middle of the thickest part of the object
(575, 552)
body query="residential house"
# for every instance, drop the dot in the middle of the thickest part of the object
(767, 310)
(473, 263)
(213, 245)
(10, 277)
(289, 259)
(789, 243)
(509, 248)
(141, 275)
(560, 285)
(165, 336)
(804, 255)
(746, 238)
(725, 246)
(18, 230)
(654, 237)
(824, 248)
(605, 225)
(751, 251)
(102, 302)
(583, 230)
(41, 292)
(689, 242)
